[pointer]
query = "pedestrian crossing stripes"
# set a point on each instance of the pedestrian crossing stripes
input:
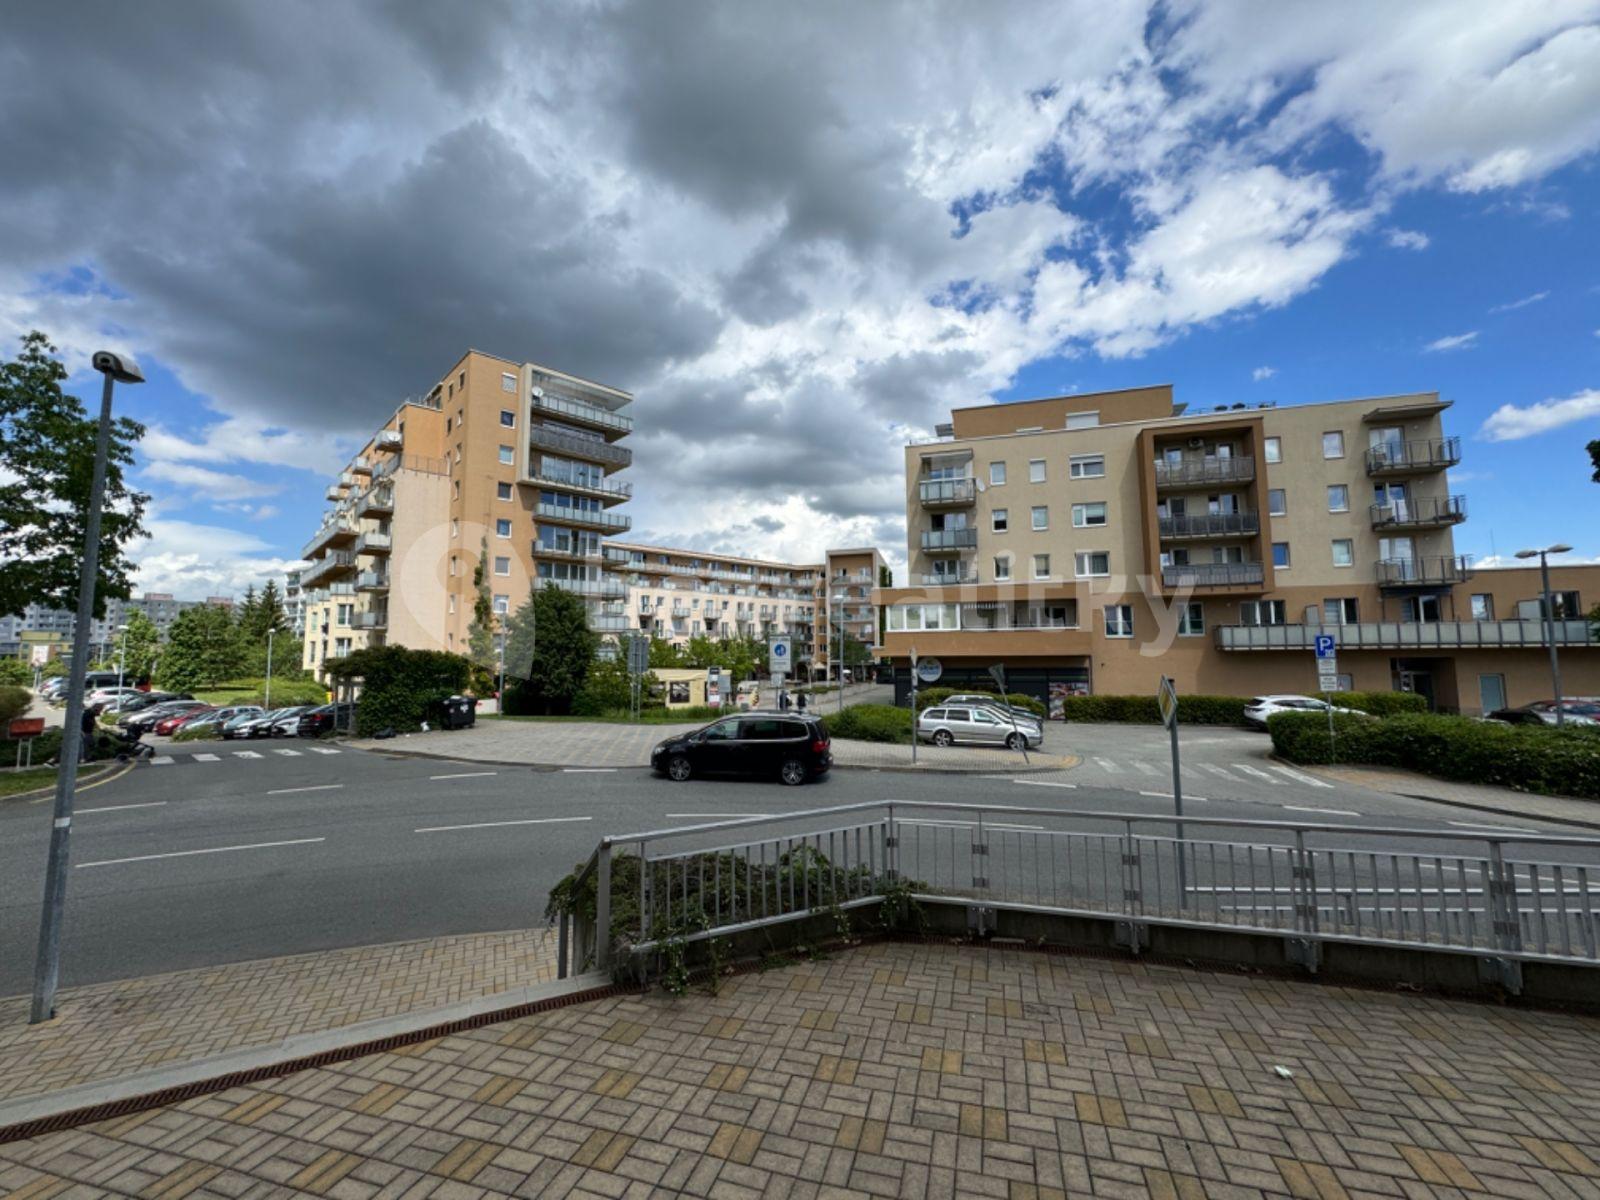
(206, 756)
(1267, 773)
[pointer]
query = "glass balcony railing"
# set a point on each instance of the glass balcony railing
(1210, 525)
(578, 410)
(1238, 574)
(1188, 471)
(946, 541)
(1407, 635)
(1420, 512)
(591, 517)
(940, 492)
(592, 449)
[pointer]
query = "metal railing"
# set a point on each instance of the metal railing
(1210, 525)
(949, 539)
(333, 563)
(331, 532)
(1429, 454)
(947, 491)
(948, 579)
(1212, 575)
(585, 516)
(374, 542)
(388, 439)
(371, 620)
(591, 448)
(1239, 469)
(610, 585)
(372, 581)
(1419, 512)
(580, 410)
(1403, 635)
(619, 488)
(378, 498)
(1432, 571)
(1507, 897)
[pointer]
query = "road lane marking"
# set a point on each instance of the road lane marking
(1168, 796)
(1215, 770)
(323, 750)
(112, 862)
(1481, 825)
(1145, 768)
(1258, 773)
(290, 753)
(588, 770)
(1337, 812)
(161, 760)
(206, 758)
(719, 814)
(121, 807)
(1043, 783)
(1298, 777)
(316, 787)
(465, 775)
(497, 824)
(246, 754)
(1107, 765)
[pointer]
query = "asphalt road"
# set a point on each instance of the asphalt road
(219, 857)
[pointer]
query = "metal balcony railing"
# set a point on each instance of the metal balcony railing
(374, 543)
(1413, 458)
(937, 492)
(360, 466)
(948, 578)
(579, 410)
(373, 500)
(579, 447)
(1407, 635)
(611, 489)
(593, 517)
(607, 586)
(372, 581)
(333, 563)
(330, 533)
(372, 620)
(1213, 575)
(542, 550)
(1419, 512)
(608, 623)
(389, 439)
(1210, 525)
(949, 540)
(1191, 471)
(1430, 572)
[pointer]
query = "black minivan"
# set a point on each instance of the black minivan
(793, 747)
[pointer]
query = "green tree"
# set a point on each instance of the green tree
(856, 652)
(400, 687)
(885, 576)
(245, 613)
(885, 580)
(1594, 458)
(269, 611)
(203, 649)
(607, 689)
(665, 653)
(552, 647)
(15, 673)
(480, 634)
(140, 648)
(47, 441)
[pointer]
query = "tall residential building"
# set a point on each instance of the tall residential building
(851, 577)
(294, 603)
(1099, 542)
(511, 463)
(160, 607)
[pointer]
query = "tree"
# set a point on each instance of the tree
(885, 576)
(552, 666)
(47, 441)
(203, 648)
(665, 653)
(400, 687)
(1594, 458)
(856, 652)
(140, 647)
(608, 689)
(15, 673)
(245, 616)
(269, 611)
(885, 580)
(480, 634)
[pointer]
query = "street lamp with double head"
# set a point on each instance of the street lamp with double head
(1549, 617)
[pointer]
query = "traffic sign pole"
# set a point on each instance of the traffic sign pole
(1167, 699)
(1326, 648)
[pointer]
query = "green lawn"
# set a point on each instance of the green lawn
(14, 783)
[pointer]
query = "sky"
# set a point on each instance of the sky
(800, 234)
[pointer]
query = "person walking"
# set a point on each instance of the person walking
(88, 726)
(802, 702)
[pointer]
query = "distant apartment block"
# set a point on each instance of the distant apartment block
(161, 608)
(1099, 542)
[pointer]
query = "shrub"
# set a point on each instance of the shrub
(15, 673)
(400, 687)
(607, 689)
(1527, 758)
(870, 723)
(1192, 710)
(285, 692)
(45, 747)
(1380, 704)
(14, 702)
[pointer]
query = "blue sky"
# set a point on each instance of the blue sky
(801, 236)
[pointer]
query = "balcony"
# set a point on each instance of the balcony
(947, 493)
(581, 413)
(347, 479)
(587, 518)
(572, 553)
(372, 581)
(616, 554)
(1210, 525)
(374, 501)
(1425, 574)
(1413, 458)
(608, 623)
(948, 578)
(1421, 512)
(360, 466)
(334, 492)
(371, 620)
(680, 612)
(608, 585)
(1208, 575)
(608, 491)
(331, 565)
(1407, 635)
(332, 534)
(949, 541)
(374, 542)
(1203, 472)
(591, 449)
(388, 439)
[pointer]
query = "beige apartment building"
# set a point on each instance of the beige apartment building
(1096, 543)
(512, 463)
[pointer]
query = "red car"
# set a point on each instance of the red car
(168, 726)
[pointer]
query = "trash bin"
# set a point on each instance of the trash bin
(460, 712)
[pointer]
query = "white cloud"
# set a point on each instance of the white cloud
(243, 439)
(1263, 373)
(1455, 341)
(1492, 561)
(1407, 239)
(1513, 305)
(192, 560)
(218, 485)
(1508, 423)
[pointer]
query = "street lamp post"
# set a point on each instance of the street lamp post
(47, 966)
(266, 691)
(122, 656)
(1550, 617)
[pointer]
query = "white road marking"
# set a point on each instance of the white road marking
(1168, 796)
(497, 824)
(1337, 812)
(290, 753)
(1490, 828)
(316, 787)
(1146, 768)
(465, 775)
(588, 770)
(324, 750)
(1215, 770)
(719, 814)
(1258, 773)
(1043, 783)
(121, 807)
(112, 862)
(246, 754)
(205, 758)
(1107, 765)
(161, 760)
(1298, 777)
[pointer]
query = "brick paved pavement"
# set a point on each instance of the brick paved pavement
(109, 1030)
(909, 1071)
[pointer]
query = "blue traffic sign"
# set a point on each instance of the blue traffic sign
(1327, 645)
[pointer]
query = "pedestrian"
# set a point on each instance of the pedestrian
(783, 701)
(88, 726)
(802, 702)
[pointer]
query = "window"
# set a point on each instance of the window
(344, 614)
(1280, 554)
(1036, 470)
(1338, 497)
(998, 520)
(1041, 566)
(1273, 450)
(1263, 612)
(508, 382)
(1002, 567)
(455, 490)
(449, 424)
(508, 418)
(1085, 516)
(455, 527)
(462, 379)
(453, 565)
(1119, 620)
(502, 527)
(502, 566)
(452, 599)
(1090, 563)
(1083, 420)
(502, 491)
(1333, 444)
(1192, 620)
(1482, 606)
(506, 455)
(997, 474)
(1342, 610)
(1343, 553)
(502, 603)
(1564, 606)
(458, 452)
(1088, 466)
(1041, 517)
(1277, 502)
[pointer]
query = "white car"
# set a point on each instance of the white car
(946, 724)
(1009, 713)
(106, 695)
(1260, 708)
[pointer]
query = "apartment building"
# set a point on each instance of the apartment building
(294, 603)
(853, 576)
(1095, 543)
(509, 463)
(58, 623)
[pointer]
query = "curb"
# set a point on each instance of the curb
(103, 775)
(32, 1116)
(1493, 809)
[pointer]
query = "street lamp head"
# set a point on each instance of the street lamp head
(120, 367)
(1527, 554)
(1560, 548)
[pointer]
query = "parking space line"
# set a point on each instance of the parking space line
(1168, 796)
(1145, 768)
(1107, 765)
(1215, 770)
(121, 807)
(323, 750)
(112, 862)
(498, 824)
(1258, 773)
(316, 787)
(729, 815)
(1298, 777)
(160, 760)
(1479, 825)
(588, 770)
(465, 775)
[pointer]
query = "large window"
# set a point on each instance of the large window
(1085, 516)
(1344, 554)
(1192, 620)
(1119, 620)
(1088, 466)
(1338, 497)
(1482, 606)
(1341, 610)
(1092, 563)
(1277, 502)
(1273, 450)
(1280, 555)
(1041, 517)
(1002, 567)
(910, 618)
(1263, 612)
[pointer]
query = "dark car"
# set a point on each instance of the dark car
(145, 702)
(792, 747)
(146, 721)
(326, 719)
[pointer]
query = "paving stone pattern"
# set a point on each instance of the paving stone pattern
(898, 1070)
(109, 1030)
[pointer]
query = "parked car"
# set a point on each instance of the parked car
(217, 719)
(100, 697)
(260, 724)
(144, 702)
(285, 723)
(169, 725)
(1008, 712)
(788, 746)
(1581, 713)
(146, 720)
(1260, 708)
(948, 724)
(50, 687)
(326, 718)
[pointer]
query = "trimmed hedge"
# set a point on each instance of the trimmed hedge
(870, 723)
(285, 692)
(1222, 710)
(927, 697)
(1380, 704)
(1549, 761)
